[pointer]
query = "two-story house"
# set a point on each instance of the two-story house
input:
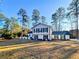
(41, 32)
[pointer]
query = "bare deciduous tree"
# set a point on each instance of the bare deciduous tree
(74, 10)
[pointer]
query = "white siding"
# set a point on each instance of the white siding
(67, 37)
(59, 36)
(52, 36)
(40, 34)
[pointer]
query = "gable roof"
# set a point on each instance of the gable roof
(41, 24)
(61, 33)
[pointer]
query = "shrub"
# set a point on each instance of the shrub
(18, 34)
(7, 36)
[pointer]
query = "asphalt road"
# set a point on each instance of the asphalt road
(14, 41)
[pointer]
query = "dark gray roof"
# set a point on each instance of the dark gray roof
(41, 24)
(61, 33)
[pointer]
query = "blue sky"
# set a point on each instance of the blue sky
(46, 7)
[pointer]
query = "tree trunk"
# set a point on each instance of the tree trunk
(76, 5)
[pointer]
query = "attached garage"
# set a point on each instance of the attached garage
(65, 35)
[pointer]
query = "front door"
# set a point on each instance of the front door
(45, 37)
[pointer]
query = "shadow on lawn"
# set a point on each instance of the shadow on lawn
(56, 52)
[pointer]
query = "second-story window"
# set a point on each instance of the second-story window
(40, 30)
(45, 29)
(37, 30)
(34, 31)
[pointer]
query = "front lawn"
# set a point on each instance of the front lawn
(41, 50)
